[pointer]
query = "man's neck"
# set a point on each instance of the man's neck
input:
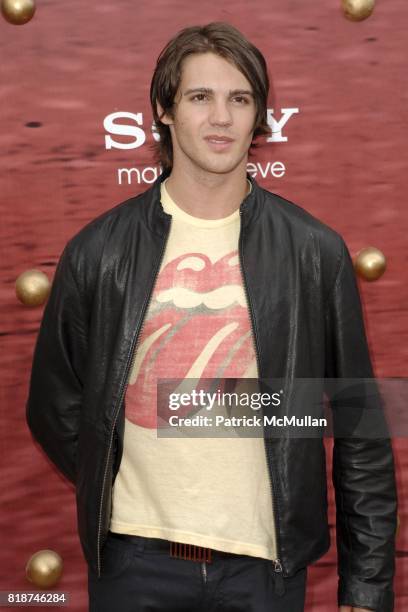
(207, 196)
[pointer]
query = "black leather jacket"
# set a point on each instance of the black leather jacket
(307, 323)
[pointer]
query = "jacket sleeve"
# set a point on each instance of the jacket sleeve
(56, 387)
(363, 468)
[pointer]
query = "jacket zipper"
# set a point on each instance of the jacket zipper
(278, 567)
(128, 370)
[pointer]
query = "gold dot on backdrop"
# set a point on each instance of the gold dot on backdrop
(370, 263)
(44, 568)
(18, 12)
(32, 287)
(357, 10)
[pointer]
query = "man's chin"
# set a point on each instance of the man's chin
(221, 166)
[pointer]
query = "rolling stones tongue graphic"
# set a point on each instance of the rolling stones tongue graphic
(197, 326)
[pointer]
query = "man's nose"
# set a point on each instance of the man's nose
(220, 113)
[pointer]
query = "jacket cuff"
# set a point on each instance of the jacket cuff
(352, 592)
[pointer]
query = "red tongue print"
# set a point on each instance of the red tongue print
(197, 326)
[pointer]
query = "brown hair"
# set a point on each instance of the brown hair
(224, 40)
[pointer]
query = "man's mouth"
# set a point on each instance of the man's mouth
(219, 139)
(219, 143)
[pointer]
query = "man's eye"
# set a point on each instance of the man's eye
(243, 100)
(198, 95)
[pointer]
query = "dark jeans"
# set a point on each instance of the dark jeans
(139, 579)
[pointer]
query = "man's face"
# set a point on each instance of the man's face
(223, 110)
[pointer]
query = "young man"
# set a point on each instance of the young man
(206, 274)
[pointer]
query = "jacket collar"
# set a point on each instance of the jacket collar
(158, 220)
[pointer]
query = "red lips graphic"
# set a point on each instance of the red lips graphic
(197, 326)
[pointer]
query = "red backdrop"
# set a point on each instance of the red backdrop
(344, 153)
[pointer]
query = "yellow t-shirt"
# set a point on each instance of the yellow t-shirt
(214, 491)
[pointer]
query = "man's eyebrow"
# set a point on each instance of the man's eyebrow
(207, 90)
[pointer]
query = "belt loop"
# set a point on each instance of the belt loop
(140, 544)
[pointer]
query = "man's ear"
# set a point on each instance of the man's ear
(165, 119)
